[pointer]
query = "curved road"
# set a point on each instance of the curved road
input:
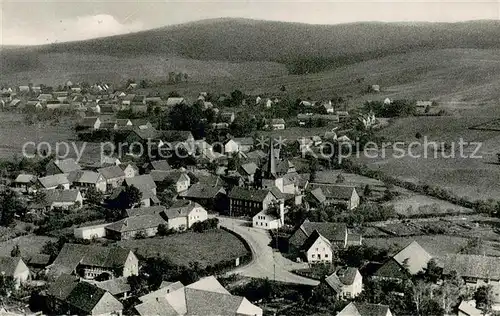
(265, 262)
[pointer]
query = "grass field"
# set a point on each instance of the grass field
(29, 245)
(416, 204)
(206, 248)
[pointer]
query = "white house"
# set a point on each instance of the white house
(184, 213)
(317, 248)
(278, 124)
(347, 282)
(90, 232)
(231, 147)
(63, 199)
(270, 218)
(16, 268)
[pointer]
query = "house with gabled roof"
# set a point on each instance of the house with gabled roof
(247, 171)
(63, 199)
(62, 166)
(130, 227)
(245, 144)
(118, 287)
(114, 176)
(336, 233)
(151, 210)
(243, 201)
(53, 181)
(211, 196)
(173, 101)
(122, 124)
(16, 268)
(161, 165)
(24, 182)
(317, 248)
(69, 296)
(146, 186)
(92, 122)
(85, 179)
(365, 309)
(333, 194)
(91, 261)
(183, 214)
(409, 261)
(204, 297)
(346, 282)
(178, 177)
(270, 218)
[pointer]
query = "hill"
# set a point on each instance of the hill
(225, 43)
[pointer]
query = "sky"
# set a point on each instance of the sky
(47, 21)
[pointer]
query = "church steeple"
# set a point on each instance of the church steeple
(271, 162)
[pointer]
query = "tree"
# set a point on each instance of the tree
(367, 191)
(432, 273)
(94, 196)
(131, 196)
(237, 97)
(7, 285)
(340, 178)
(15, 252)
(9, 206)
(484, 298)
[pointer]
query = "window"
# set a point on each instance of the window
(313, 255)
(266, 224)
(317, 249)
(326, 255)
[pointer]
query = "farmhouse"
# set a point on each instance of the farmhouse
(183, 214)
(317, 248)
(16, 268)
(204, 297)
(335, 233)
(25, 182)
(130, 227)
(90, 232)
(67, 295)
(62, 166)
(113, 175)
(231, 147)
(84, 179)
(247, 171)
(210, 196)
(90, 261)
(250, 202)
(118, 287)
(179, 178)
(413, 256)
(347, 283)
(365, 309)
(332, 194)
(54, 181)
(146, 186)
(63, 199)
(270, 218)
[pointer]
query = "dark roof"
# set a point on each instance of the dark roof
(161, 165)
(62, 287)
(67, 165)
(67, 196)
(39, 259)
(332, 191)
(202, 191)
(175, 135)
(135, 223)
(334, 232)
(144, 183)
(73, 254)
(53, 180)
(111, 172)
(145, 210)
(85, 297)
(393, 270)
(248, 194)
(315, 235)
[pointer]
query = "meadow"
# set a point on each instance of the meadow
(206, 248)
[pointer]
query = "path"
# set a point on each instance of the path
(265, 262)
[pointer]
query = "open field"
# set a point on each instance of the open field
(207, 248)
(29, 245)
(409, 204)
(436, 245)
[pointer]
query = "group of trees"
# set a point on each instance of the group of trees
(10, 205)
(395, 108)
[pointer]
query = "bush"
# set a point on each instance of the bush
(205, 225)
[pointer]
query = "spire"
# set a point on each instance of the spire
(271, 161)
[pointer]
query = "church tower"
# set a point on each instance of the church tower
(270, 177)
